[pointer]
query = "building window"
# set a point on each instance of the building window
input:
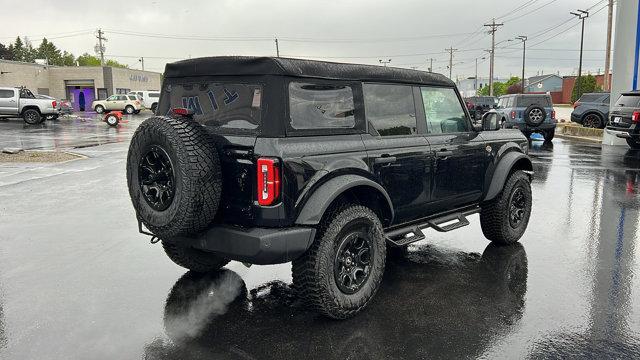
(122, 91)
(102, 94)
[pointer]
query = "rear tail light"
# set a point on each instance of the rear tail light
(53, 104)
(576, 104)
(268, 184)
(182, 111)
(636, 117)
(513, 114)
(553, 114)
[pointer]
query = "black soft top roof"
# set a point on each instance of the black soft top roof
(249, 65)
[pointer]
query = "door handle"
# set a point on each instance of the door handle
(384, 159)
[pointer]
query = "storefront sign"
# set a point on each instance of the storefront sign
(138, 78)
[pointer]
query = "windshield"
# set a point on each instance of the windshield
(232, 106)
(628, 100)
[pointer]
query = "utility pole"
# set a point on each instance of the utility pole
(142, 61)
(607, 57)
(430, 64)
(384, 62)
(581, 14)
(277, 48)
(451, 50)
(524, 50)
(492, 31)
(100, 47)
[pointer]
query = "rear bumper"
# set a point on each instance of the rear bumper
(522, 126)
(255, 245)
(627, 133)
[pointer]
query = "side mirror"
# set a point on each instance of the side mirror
(491, 121)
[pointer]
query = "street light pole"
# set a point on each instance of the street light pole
(524, 49)
(581, 14)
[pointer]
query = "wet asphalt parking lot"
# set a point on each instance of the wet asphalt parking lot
(77, 281)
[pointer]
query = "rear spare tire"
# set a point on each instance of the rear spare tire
(173, 174)
(534, 115)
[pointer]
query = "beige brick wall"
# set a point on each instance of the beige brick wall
(57, 76)
(32, 76)
(135, 79)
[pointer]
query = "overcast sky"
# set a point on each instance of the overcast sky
(407, 32)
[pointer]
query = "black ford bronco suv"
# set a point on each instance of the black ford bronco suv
(271, 160)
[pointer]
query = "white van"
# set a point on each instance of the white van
(149, 98)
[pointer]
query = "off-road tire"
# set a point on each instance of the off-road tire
(193, 259)
(99, 109)
(633, 143)
(154, 107)
(549, 134)
(534, 122)
(136, 112)
(196, 168)
(313, 272)
(494, 214)
(32, 116)
(129, 109)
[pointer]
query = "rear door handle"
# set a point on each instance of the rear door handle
(384, 160)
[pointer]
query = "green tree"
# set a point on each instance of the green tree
(47, 50)
(6, 52)
(30, 54)
(587, 84)
(499, 88)
(88, 60)
(18, 50)
(67, 59)
(114, 63)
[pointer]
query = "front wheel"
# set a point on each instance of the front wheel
(193, 259)
(633, 143)
(342, 270)
(112, 120)
(505, 218)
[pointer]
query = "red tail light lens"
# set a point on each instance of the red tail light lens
(182, 111)
(553, 114)
(268, 181)
(513, 114)
(53, 104)
(576, 104)
(636, 117)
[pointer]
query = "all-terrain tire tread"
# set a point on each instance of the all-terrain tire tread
(192, 259)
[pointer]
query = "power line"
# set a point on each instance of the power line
(529, 12)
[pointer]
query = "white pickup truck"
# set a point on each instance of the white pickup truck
(20, 102)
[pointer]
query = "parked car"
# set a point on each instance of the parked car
(624, 118)
(318, 163)
(591, 110)
(530, 113)
(130, 104)
(478, 105)
(149, 98)
(21, 102)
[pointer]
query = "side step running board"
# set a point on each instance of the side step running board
(412, 233)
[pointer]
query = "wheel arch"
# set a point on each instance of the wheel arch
(30, 107)
(346, 188)
(510, 162)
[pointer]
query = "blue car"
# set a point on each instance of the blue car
(530, 113)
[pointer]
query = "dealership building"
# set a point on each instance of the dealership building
(78, 84)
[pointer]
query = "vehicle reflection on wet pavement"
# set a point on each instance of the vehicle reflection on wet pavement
(78, 282)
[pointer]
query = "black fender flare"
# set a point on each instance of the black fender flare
(315, 207)
(503, 169)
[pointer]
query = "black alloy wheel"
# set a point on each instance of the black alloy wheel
(352, 264)
(156, 178)
(517, 207)
(592, 121)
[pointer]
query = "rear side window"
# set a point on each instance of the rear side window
(443, 111)
(526, 101)
(390, 109)
(589, 97)
(6, 94)
(132, 97)
(628, 100)
(321, 106)
(154, 95)
(218, 105)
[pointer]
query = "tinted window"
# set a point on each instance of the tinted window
(589, 97)
(443, 111)
(6, 94)
(123, 98)
(132, 97)
(628, 100)
(155, 95)
(112, 98)
(605, 100)
(227, 106)
(526, 101)
(390, 109)
(26, 94)
(319, 106)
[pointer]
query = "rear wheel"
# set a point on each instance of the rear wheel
(193, 259)
(592, 121)
(633, 143)
(505, 218)
(32, 116)
(549, 134)
(342, 270)
(99, 109)
(129, 109)
(154, 106)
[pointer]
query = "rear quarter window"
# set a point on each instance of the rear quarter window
(628, 100)
(321, 106)
(590, 97)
